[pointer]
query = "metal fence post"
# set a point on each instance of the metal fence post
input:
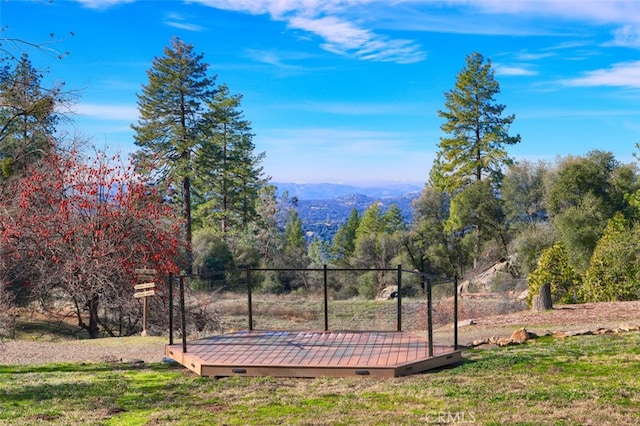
(429, 316)
(455, 312)
(399, 325)
(326, 299)
(183, 316)
(171, 309)
(249, 301)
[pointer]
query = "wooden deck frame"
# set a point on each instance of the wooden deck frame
(313, 354)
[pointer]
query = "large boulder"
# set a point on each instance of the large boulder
(388, 293)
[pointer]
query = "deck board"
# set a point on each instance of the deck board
(312, 354)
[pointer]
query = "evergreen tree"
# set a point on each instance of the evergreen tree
(377, 246)
(170, 128)
(319, 252)
(555, 269)
(27, 118)
(475, 149)
(393, 219)
(478, 133)
(344, 240)
(371, 223)
(293, 234)
(477, 207)
(293, 255)
(427, 244)
(229, 173)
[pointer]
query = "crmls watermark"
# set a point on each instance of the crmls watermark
(447, 417)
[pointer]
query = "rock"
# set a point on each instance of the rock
(463, 287)
(466, 323)
(578, 333)
(605, 331)
(388, 293)
(523, 296)
(479, 342)
(520, 335)
(506, 341)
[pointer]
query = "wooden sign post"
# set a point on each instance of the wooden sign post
(145, 290)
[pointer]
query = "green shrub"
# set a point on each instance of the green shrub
(554, 268)
(614, 271)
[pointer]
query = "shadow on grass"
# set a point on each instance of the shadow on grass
(83, 383)
(86, 368)
(52, 329)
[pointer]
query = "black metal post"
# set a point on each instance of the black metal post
(183, 316)
(399, 326)
(429, 316)
(249, 301)
(455, 313)
(326, 299)
(171, 309)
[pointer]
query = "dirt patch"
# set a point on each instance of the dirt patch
(561, 318)
(121, 349)
(596, 314)
(151, 349)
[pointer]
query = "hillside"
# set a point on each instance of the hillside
(328, 191)
(323, 208)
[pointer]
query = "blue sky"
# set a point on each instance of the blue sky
(347, 91)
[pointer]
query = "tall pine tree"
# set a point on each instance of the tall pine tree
(475, 147)
(229, 172)
(474, 150)
(170, 125)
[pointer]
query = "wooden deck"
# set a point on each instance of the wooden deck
(312, 354)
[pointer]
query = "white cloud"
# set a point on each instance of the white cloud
(102, 4)
(624, 74)
(627, 36)
(599, 11)
(513, 70)
(345, 38)
(178, 21)
(348, 27)
(281, 9)
(335, 23)
(127, 113)
(270, 57)
(526, 56)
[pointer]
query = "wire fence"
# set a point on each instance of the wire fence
(221, 302)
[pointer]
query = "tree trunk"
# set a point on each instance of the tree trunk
(542, 301)
(93, 329)
(186, 188)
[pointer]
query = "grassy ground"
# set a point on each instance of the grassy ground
(578, 380)
(306, 312)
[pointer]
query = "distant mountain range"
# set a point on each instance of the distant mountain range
(327, 191)
(324, 207)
